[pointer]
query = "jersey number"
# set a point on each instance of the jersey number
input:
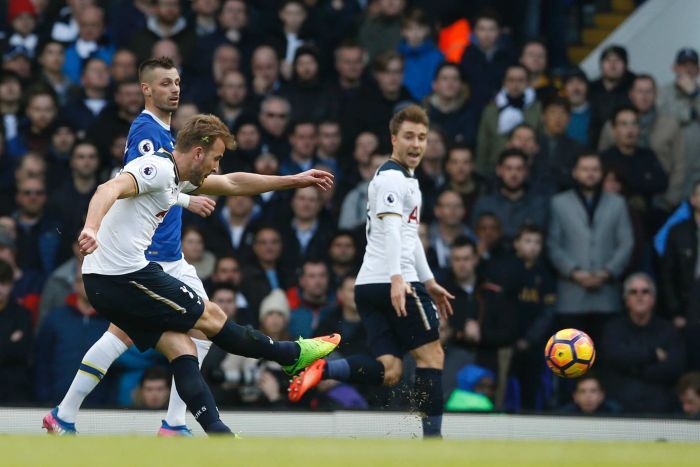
(414, 215)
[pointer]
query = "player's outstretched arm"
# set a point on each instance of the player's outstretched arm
(123, 186)
(248, 184)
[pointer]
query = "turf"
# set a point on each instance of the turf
(141, 451)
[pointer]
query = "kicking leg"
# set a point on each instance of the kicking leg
(430, 360)
(180, 351)
(93, 368)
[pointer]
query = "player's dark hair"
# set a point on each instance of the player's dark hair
(689, 380)
(619, 110)
(150, 64)
(156, 373)
(512, 152)
(413, 113)
(462, 241)
(203, 130)
(529, 229)
(7, 275)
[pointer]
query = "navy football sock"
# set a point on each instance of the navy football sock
(355, 369)
(247, 342)
(196, 394)
(428, 394)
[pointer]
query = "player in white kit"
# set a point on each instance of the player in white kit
(395, 292)
(156, 309)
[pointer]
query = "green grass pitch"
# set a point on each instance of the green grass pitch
(95, 451)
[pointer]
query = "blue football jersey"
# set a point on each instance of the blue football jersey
(148, 134)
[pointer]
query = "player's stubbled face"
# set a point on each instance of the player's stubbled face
(209, 163)
(410, 143)
(165, 88)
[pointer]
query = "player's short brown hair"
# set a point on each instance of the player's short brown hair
(413, 113)
(150, 64)
(203, 130)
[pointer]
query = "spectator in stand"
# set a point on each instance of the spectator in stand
(524, 138)
(82, 111)
(359, 168)
(535, 288)
(350, 62)
(377, 103)
(490, 246)
(308, 95)
(515, 103)
(657, 131)
(65, 29)
(60, 283)
(265, 273)
(448, 225)
(449, 106)
(353, 213)
(265, 68)
(232, 102)
(26, 288)
(307, 234)
(10, 106)
(41, 110)
(589, 242)
(91, 43)
(380, 29)
(576, 92)
(681, 99)
(116, 119)
(70, 201)
(303, 140)
(16, 342)
(124, 20)
(38, 230)
(533, 57)
(17, 60)
(688, 390)
(62, 340)
(312, 295)
(330, 140)
(421, 56)
(124, 66)
(462, 178)
(679, 269)
(611, 90)
(638, 168)
(344, 319)
(22, 19)
(230, 230)
(165, 22)
(292, 35)
(51, 57)
(557, 151)
(154, 389)
(512, 202)
(485, 60)
(184, 112)
(195, 253)
(201, 86)
(235, 29)
(342, 256)
(431, 172)
(205, 16)
(274, 118)
(644, 354)
(589, 398)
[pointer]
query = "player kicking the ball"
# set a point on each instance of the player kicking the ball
(394, 286)
(154, 308)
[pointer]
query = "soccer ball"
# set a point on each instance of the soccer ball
(569, 353)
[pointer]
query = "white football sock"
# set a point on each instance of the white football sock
(177, 409)
(92, 369)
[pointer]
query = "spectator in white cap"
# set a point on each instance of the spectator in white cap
(274, 315)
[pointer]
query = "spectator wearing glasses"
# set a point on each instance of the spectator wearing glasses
(643, 353)
(274, 118)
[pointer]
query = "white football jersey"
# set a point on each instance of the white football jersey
(127, 229)
(393, 190)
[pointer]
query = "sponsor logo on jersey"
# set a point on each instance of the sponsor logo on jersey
(148, 171)
(390, 199)
(146, 146)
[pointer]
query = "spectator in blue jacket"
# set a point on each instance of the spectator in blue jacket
(421, 57)
(63, 338)
(91, 42)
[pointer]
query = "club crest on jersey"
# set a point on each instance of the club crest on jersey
(146, 146)
(148, 171)
(390, 199)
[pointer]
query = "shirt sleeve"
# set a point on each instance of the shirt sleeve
(389, 194)
(151, 173)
